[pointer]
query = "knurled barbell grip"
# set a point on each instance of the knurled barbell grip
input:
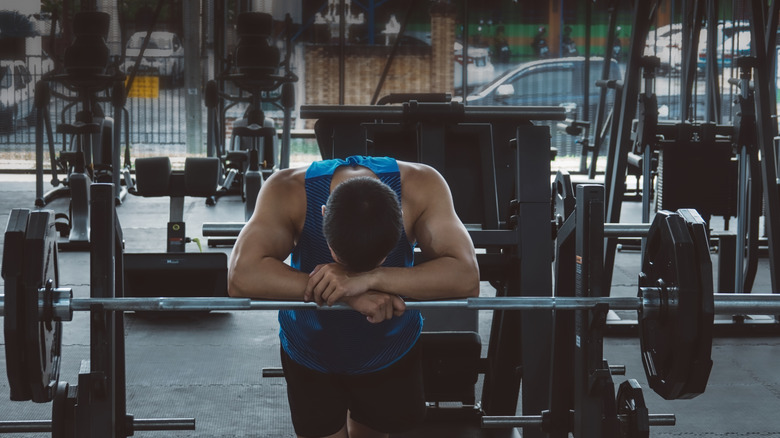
(497, 422)
(44, 426)
(196, 304)
(767, 304)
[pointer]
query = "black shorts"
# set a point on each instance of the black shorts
(390, 400)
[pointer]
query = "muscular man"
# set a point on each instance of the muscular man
(350, 227)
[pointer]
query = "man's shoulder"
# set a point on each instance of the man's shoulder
(414, 168)
(416, 171)
(287, 179)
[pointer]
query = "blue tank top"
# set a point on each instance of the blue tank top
(344, 342)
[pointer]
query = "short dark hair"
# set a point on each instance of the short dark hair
(362, 222)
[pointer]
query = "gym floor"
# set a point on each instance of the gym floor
(209, 367)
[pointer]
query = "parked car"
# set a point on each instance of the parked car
(16, 93)
(557, 82)
(164, 55)
(550, 82)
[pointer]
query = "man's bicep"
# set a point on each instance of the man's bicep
(270, 231)
(439, 231)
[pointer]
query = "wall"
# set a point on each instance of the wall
(415, 69)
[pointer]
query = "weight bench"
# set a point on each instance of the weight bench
(176, 272)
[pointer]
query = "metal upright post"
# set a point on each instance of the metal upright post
(99, 409)
(192, 73)
(765, 135)
(535, 275)
(562, 359)
(520, 344)
(590, 375)
(644, 12)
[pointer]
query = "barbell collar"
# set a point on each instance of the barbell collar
(59, 305)
(497, 422)
(44, 426)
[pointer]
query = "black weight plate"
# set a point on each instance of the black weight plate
(43, 338)
(563, 199)
(62, 413)
(632, 411)
(668, 337)
(13, 321)
(609, 421)
(702, 362)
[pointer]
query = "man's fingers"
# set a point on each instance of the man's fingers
(333, 295)
(314, 278)
(315, 270)
(327, 296)
(399, 306)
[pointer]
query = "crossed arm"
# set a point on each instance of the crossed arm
(257, 268)
(451, 270)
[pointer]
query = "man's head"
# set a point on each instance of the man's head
(362, 222)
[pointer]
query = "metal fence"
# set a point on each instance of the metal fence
(158, 126)
(157, 123)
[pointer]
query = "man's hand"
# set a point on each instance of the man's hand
(377, 306)
(332, 282)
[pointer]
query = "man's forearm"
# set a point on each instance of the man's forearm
(269, 279)
(444, 277)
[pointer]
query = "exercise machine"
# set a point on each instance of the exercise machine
(90, 143)
(176, 271)
(253, 152)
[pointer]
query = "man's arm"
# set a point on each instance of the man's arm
(257, 268)
(450, 272)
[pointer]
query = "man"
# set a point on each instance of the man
(353, 373)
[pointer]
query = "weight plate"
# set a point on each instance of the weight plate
(668, 336)
(702, 361)
(563, 199)
(13, 321)
(62, 412)
(42, 335)
(631, 410)
(609, 420)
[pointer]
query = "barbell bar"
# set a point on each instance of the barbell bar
(231, 229)
(139, 424)
(500, 422)
(59, 304)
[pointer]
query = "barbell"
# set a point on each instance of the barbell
(58, 304)
(675, 302)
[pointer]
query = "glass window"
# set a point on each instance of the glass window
(544, 82)
(5, 77)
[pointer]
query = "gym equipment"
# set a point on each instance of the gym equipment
(91, 143)
(95, 407)
(670, 290)
(252, 155)
(176, 271)
(631, 415)
(709, 143)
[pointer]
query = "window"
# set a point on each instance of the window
(545, 82)
(5, 78)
